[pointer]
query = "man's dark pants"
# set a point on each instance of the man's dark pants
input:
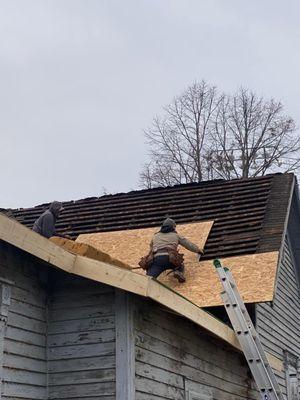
(161, 264)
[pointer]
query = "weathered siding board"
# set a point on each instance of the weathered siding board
(125, 357)
(82, 364)
(82, 390)
(81, 325)
(278, 324)
(173, 355)
(81, 339)
(24, 358)
(25, 336)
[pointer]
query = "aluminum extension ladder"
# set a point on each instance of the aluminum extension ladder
(248, 337)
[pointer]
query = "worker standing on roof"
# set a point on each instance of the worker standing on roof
(164, 246)
(45, 224)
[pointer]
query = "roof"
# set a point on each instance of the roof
(249, 219)
(255, 274)
(249, 214)
(106, 272)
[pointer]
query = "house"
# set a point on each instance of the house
(75, 327)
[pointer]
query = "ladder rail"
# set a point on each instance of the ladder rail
(250, 323)
(247, 336)
(257, 364)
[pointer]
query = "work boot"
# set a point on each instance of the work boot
(180, 276)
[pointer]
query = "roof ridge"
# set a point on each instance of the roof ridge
(207, 183)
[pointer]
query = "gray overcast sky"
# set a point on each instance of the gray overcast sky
(81, 79)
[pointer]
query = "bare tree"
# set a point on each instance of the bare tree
(252, 137)
(204, 135)
(178, 141)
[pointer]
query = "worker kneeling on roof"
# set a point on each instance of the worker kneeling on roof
(45, 224)
(164, 251)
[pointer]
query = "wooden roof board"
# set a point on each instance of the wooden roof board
(87, 251)
(255, 274)
(130, 245)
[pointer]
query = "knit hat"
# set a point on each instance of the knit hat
(56, 207)
(169, 222)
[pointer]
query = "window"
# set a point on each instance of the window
(291, 373)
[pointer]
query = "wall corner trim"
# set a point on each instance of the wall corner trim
(125, 351)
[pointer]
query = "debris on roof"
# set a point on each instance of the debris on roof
(86, 250)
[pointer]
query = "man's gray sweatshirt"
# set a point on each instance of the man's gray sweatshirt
(45, 224)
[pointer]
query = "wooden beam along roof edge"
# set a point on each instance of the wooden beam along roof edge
(23, 238)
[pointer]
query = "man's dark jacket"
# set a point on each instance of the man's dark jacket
(45, 224)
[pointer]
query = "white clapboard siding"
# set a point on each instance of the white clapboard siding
(278, 323)
(81, 340)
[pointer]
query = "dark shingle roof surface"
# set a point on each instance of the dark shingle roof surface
(249, 214)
